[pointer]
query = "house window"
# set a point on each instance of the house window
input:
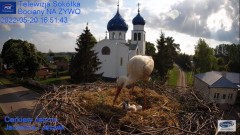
(105, 50)
(113, 35)
(121, 61)
(230, 96)
(139, 36)
(120, 35)
(224, 96)
(135, 36)
(216, 95)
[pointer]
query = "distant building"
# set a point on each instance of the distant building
(115, 51)
(218, 87)
(61, 63)
(43, 72)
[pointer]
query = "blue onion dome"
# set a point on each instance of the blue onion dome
(117, 23)
(138, 20)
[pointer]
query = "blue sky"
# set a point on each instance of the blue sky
(217, 21)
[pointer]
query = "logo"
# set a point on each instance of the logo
(227, 125)
(7, 7)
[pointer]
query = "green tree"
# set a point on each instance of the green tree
(204, 60)
(150, 49)
(184, 61)
(228, 56)
(167, 52)
(233, 55)
(22, 56)
(50, 53)
(6, 46)
(85, 62)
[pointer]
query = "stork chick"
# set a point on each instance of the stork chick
(127, 106)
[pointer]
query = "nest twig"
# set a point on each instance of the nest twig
(64, 103)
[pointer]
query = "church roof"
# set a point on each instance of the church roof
(117, 23)
(133, 46)
(138, 20)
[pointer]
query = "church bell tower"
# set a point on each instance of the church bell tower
(138, 33)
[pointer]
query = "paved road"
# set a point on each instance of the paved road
(18, 102)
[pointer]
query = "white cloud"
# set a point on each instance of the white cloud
(108, 2)
(47, 40)
(69, 35)
(219, 20)
(5, 27)
(9, 27)
(173, 14)
(85, 11)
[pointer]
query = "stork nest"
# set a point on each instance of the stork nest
(87, 109)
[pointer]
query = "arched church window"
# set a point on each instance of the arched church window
(105, 50)
(139, 36)
(113, 35)
(135, 37)
(120, 35)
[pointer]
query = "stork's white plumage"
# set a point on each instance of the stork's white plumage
(138, 68)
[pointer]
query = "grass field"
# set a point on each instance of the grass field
(4, 81)
(189, 78)
(59, 80)
(173, 76)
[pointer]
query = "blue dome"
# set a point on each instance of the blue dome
(117, 23)
(138, 20)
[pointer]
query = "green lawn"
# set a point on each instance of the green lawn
(4, 81)
(55, 80)
(189, 78)
(173, 76)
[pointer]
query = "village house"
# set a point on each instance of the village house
(218, 87)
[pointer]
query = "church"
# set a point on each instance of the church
(115, 51)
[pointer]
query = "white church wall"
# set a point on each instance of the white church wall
(108, 66)
(117, 35)
(122, 59)
(138, 27)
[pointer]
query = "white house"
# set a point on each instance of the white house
(218, 87)
(114, 51)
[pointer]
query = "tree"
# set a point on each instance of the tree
(184, 61)
(233, 56)
(167, 52)
(85, 62)
(50, 53)
(204, 60)
(150, 49)
(22, 56)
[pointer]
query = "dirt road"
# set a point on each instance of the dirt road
(18, 102)
(181, 79)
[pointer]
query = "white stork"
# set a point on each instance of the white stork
(138, 68)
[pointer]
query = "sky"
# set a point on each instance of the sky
(216, 21)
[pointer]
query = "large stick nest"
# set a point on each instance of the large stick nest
(87, 109)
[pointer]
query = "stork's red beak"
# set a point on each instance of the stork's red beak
(119, 88)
